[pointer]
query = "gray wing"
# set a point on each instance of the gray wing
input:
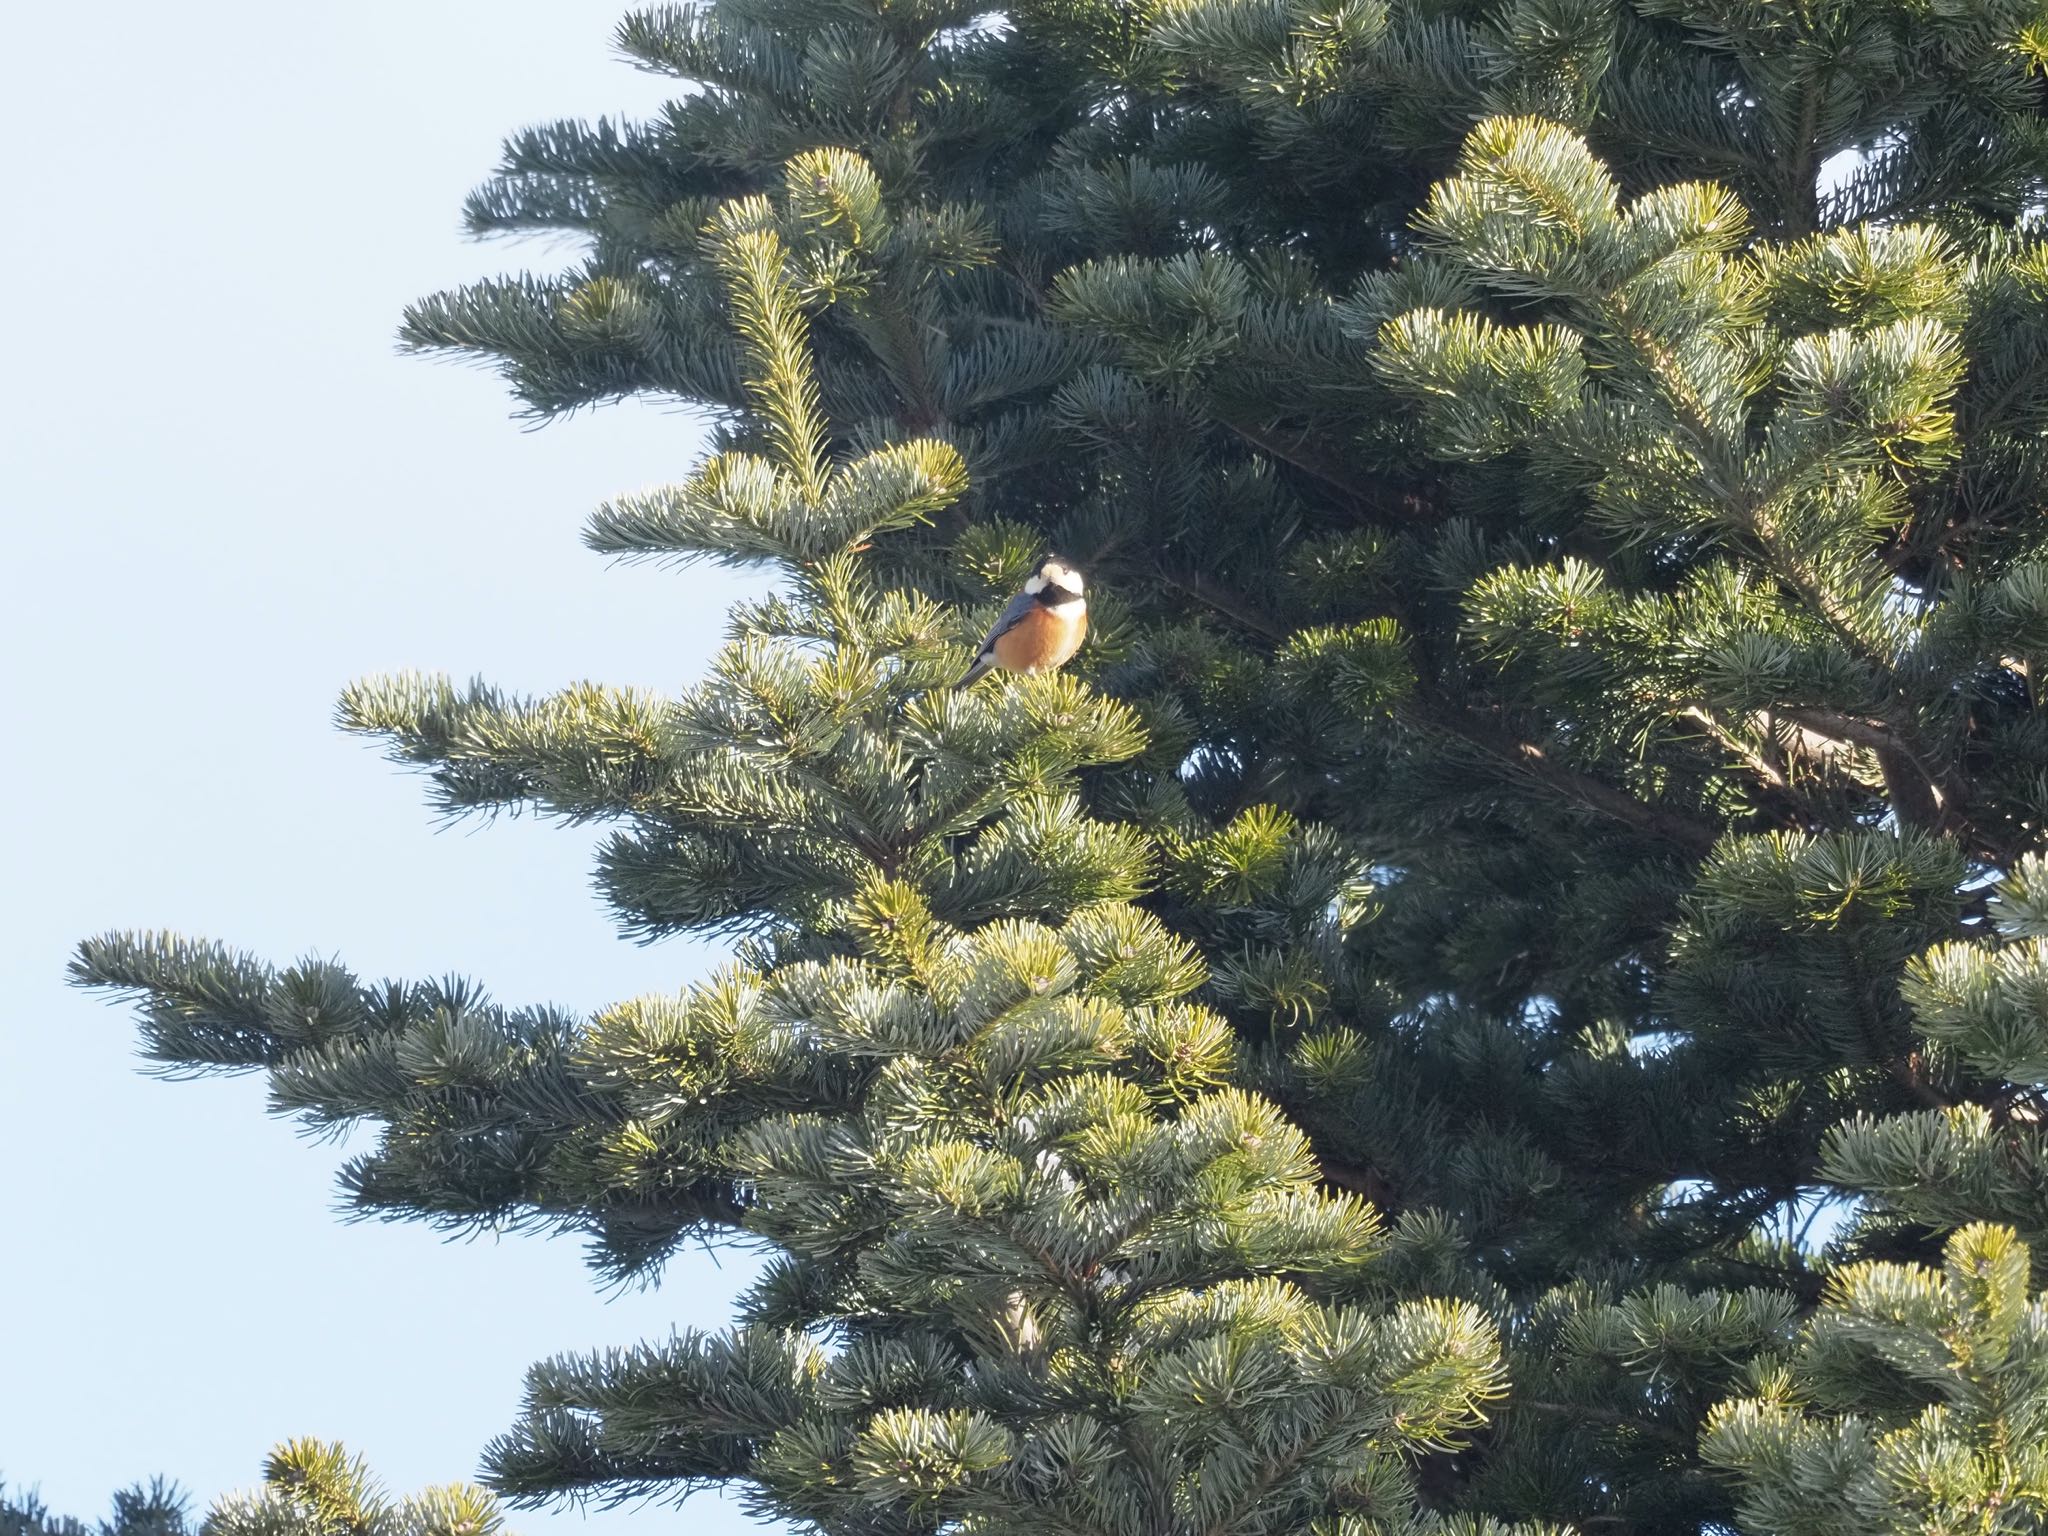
(1018, 606)
(984, 655)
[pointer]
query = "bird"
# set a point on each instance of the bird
(1040, 629)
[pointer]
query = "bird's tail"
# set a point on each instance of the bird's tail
(980, 669)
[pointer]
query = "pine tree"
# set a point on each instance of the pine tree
(1551, 805)
(309, 1488)
(156, 1508)
(1914, 1400)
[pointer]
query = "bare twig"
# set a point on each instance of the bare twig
(1754, 760)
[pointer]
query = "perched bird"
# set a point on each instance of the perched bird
(1040, 629)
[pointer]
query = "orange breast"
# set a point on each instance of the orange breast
(1041, 640)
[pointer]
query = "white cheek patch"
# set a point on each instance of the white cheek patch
(1035, 585)
(1065, 577)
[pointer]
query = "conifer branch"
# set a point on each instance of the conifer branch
(1802, 173)
(1232, 606)
(1042, 1261)
(1914, 789)
(1909, 1072)
(781, 381)
(1614, 803)
(1587, 1413)
(1527, 760)
(1360, 1179)
(1320, 464)
(1770, 773)
(903, 354)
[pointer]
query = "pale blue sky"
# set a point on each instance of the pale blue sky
(225, 495)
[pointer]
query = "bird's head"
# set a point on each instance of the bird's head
(1054, 580)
